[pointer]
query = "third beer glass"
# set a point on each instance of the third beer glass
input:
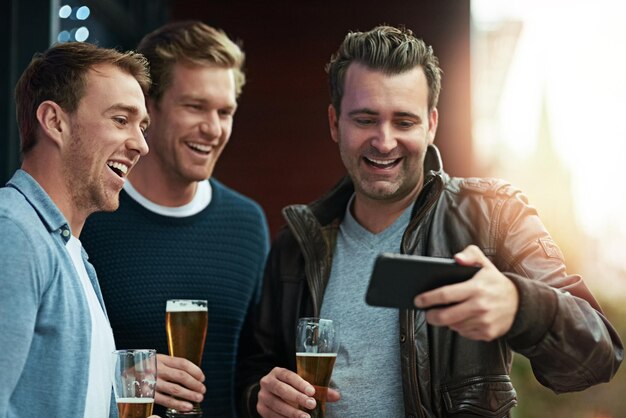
(186, 324)
(317, 341)
(134, 380)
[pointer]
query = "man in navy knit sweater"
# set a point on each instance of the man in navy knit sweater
(180, 234)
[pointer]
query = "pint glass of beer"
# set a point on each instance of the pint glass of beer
(134, 380)
(186, 325)
(317, 342)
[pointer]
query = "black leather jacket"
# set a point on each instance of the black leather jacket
(559, 326)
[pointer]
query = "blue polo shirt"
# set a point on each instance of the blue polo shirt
(45, 325)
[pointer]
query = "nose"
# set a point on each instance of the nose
(211, 126)
(138, 142)
(384, 139)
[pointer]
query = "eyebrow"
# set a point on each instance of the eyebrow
(368, 111)
(133, 110)
(364, 110)
(204, 101)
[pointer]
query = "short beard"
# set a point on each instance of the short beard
(84, 190)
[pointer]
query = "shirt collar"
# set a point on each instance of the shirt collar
(48, 212)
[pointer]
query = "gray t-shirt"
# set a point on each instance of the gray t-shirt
(367, 371)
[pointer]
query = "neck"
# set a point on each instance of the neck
(44, 171)
(158, 187)
(378, 215)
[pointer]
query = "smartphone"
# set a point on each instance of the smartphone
(397, 278)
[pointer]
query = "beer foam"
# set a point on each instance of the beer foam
(134, 400)
(184, 306)
(302, 354)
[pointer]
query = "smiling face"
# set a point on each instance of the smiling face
(383, 132)
(191, 124)
(106, 138)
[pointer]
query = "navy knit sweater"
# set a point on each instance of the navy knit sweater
(142, 259)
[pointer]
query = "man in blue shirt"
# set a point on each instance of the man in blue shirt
(81, 115)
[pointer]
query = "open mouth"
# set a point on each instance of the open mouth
(118, 168)
(200, 148)
(382, 163)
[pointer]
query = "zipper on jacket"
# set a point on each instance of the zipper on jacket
(423, 207)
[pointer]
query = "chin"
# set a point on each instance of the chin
(108, 208)
(109, 204)
(379, 191)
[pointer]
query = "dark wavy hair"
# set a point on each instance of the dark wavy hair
(387, 49)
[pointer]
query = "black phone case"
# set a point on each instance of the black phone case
(397, 278)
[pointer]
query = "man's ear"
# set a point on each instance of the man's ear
(151, 105)
(433, 121)
(53, 121)
(333, 122)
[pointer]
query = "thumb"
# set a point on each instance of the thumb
(333, 395)
(472, 256)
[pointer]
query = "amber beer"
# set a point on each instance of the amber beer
(186, 324)
(316, 368)
(135, 407)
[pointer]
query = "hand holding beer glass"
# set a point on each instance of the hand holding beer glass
(134, 380)
(186, 325)
(317, 342)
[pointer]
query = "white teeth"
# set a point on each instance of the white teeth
(119, 166)
(382, 162)
(199, 147)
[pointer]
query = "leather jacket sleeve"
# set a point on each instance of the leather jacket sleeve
(559, 325)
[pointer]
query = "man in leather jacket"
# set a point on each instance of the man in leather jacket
(451, 361)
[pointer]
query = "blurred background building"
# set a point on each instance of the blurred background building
(533, 91)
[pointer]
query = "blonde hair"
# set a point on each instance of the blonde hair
(193, 42)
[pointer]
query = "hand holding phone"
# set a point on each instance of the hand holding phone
(397, 278)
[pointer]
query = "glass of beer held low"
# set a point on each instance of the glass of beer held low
(317, 342)
(186, 325)
(134, 380)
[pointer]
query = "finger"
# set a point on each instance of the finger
(486, 326)
(265, 412)
(270, 405)
(444, 295)
(176, 370)
(171, 402)
(180, 363)
(473, 331)
(292, 379)
(289, 387)
(169, 390)
(472, 256)
(473, 334)
(333, 395)
(442, 317)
